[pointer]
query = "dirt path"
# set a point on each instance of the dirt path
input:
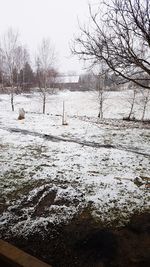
(54, 138)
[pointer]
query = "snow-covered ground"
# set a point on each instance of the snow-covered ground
(50, 172)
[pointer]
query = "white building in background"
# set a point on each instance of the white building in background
(70, 82)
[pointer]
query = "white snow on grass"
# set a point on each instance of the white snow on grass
(50, 181)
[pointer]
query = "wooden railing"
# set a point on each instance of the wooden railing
(10, 256)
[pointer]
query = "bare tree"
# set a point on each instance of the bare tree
(119, 35)
(52, 78)
(130, 99)
(21, 58)
(102, 94)
(2, 68)
(45, 61)
(9, 45)
(144, 101)
(132, 103)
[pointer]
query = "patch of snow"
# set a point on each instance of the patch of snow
(44, 182)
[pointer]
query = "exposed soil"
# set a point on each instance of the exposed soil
(85, 242)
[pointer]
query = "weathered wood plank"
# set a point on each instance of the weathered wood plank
(15, 257)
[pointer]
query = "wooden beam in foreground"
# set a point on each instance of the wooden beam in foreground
(13, 257)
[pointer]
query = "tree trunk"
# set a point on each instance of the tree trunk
(17, 81)
(132, 105)
(12, 101)
(44, 102)
(63, 116)
(143, 114)
(100, 114)
(101, 110)
(2, 81)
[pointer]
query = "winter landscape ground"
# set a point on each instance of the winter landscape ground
(50, 173)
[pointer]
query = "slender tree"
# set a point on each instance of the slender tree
(21, 59)
(2, 69)
(131, 99)
(9, 45)
(102, 93)
(144, 102)
(45, 62)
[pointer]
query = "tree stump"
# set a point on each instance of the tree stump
(21, 114)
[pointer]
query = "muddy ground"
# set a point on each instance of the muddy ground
(84, 242)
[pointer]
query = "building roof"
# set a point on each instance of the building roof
(67, 79)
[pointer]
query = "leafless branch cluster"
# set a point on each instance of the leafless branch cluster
(16, 73)
(46, 73)
(118, 35)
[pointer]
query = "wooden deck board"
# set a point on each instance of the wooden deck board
(14, 257)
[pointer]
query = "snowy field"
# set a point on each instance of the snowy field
(50, 172)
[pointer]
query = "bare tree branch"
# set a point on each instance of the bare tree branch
(118, 35)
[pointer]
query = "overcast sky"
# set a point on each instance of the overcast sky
(38, 19)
